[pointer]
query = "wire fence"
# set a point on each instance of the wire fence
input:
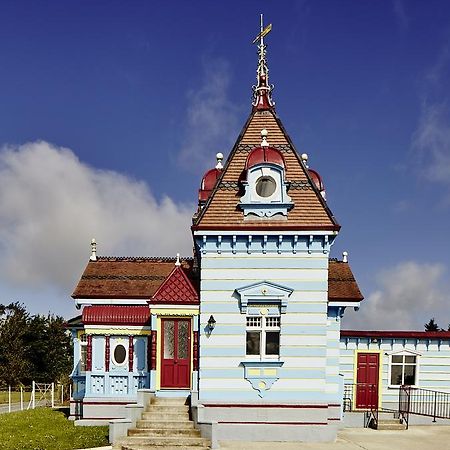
(20, 398)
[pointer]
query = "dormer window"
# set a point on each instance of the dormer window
(265, 187)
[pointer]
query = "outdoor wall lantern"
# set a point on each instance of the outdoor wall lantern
(211, 323)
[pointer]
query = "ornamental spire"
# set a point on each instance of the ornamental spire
(262, 91)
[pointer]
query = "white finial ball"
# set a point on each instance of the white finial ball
(344, 256)
(93, 241)
(264, 133)
(219, 156)
(305, 156)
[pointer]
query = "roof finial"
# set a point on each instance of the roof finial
(264, 134)
(262, 91)
(345, 257)
(178, 262)
(219, 158)
(305, 159)
(93, 250)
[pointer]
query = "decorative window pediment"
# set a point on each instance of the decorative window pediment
(264, 292)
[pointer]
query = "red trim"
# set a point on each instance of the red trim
(334, 418)
(397, 334)
(130, 353)
(107, 403)
(276, 227)
(262, 405)
(195, 353)
(107, 353)
(277, 423)
(89, 353)
(153, 351)
(116, 314)
(334, 405)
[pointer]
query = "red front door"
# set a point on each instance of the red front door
(367, 380)
(176, 353)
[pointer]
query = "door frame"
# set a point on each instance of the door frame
(160, 345)
(380, 373)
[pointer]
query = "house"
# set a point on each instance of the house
(248, 327)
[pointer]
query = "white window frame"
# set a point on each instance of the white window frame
(83, 352)
(113, 359)
(262, 328)
(404, 353)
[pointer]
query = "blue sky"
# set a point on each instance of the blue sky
(111, 111)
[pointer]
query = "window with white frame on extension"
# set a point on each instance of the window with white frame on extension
(83, 353)
(403, 369)
(263, 336)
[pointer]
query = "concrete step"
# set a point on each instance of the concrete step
(391, 425)
(169, 401)
(166, 416)
(163, 407)
(178, 441)
(166, 424)
(157, 432)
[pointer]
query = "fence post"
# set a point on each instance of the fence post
(33, 395)
(62, 393)
(9, 398)
(21, 398)
(53, 395)
(435, 406)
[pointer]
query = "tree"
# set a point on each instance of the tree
(432, 325)
(14, 364)
(35, 347)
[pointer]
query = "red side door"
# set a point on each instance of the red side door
(176, 353)
(367, 380)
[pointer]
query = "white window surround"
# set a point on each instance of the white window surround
(264, 292)
(278, 202)
(113, 355)
(404, 352)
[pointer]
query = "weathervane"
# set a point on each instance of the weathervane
(262, 97)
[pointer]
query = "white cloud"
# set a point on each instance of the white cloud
(51, 205)
(431, 142)
(212, 120)
(408, 295)
(400, 14)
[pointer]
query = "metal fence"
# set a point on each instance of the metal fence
(20, 398)
(423, 402)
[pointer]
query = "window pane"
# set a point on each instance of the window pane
(397, 358)
(272, 343)
(253, 342)
(265, 186)
(410, 375)
(272, 321)
(83, 359)
(410, 359)
(183, 342)
(396, 375)
(120, 354)
(168, 339)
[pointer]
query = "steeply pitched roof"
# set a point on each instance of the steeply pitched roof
(176, 289)
(342, 285)
(140, 278)
(310, 211)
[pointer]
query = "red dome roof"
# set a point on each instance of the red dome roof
(317, 179)
(261, 155)
(208, 183)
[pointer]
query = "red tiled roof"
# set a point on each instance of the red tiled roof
(116, 314)
(342, 285)
(222, 210)
(397, 334)
(140, 278)
(176, 289)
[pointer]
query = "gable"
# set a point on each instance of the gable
(176, 289)
(222, 210)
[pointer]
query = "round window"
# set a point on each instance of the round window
(120, 354)
(265, 186)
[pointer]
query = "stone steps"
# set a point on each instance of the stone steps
(165, 424)
(392, 424)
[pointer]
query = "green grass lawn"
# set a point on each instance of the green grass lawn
(15, 397)
(45, 429)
